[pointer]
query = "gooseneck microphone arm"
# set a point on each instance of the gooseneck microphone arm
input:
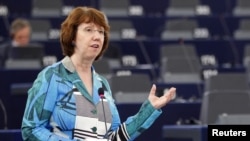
(101, 94)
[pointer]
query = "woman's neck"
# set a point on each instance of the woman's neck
(81, 64)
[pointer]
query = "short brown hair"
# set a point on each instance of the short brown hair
(17, 25)
(75, 18)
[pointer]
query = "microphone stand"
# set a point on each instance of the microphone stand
(101, 94)
(104, 115)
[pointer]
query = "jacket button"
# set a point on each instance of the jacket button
(94, 129)
(94, 111)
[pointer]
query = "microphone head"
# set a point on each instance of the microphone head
(101, 92)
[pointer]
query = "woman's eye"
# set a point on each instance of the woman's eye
(89, 30)
(101, 32)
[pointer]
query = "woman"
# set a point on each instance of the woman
(64, 104)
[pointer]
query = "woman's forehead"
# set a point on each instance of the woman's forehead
(91, 24)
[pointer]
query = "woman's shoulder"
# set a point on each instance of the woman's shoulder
(50, 70)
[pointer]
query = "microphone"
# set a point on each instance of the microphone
(101, 94)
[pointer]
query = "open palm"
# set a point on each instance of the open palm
(159, 102)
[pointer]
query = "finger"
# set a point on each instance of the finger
(171, 93)
(153, 90)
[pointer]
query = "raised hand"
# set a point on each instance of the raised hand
(159, 102)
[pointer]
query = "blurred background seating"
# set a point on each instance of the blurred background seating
(183, 44)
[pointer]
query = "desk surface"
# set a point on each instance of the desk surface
(11, 135)
(194, 132)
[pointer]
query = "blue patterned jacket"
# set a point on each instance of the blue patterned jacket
(60, 108)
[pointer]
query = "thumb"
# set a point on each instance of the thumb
(153, 90)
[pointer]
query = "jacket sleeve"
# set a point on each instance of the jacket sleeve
(137, 124)
(134, 125)
(40, 104)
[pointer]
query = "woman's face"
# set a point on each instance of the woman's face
(89, 40)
